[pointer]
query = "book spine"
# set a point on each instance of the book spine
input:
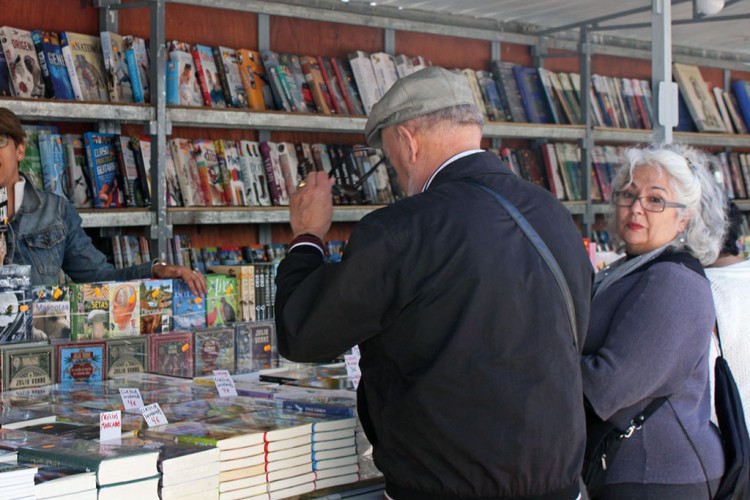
(202, 83)
(128, 186)
(329, 85)
(135, 77)
(173, 85)
(221, 70)
(71, 67)
(36, 37)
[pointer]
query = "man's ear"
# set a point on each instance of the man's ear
(410, 141)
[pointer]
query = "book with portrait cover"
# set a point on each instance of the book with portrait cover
(85, 64)
(89, 311)
(187, 173)
(698, 98)
(255, 346)
(126, 355)
(208, 76)
(189, 92)
(254, 174)
(50, 55)
(103, 170)
(15, 302)
(28, 365)
(214, 350)
(22, 62)
(81, 362)
(210, 171)
(79, 189)
(116, 67)
(52, 156)
(50, 310)
(171, 354)
(254, 80)
(156, 305)
(124, 309)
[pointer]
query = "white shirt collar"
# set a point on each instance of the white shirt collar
(18, 190)
(448, 162)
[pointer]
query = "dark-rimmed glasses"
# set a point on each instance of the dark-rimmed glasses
(4, 140)
(650, 203)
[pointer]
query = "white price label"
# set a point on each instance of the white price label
(153, 415)
(131, 399)
(110, 425)
(224, 383)
(352, 368)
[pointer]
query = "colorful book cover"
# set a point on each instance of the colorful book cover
(156, 305)
(31, 165)
(128, 171)
(345, 79)
(125, 309)
(245, 275)
(116, 67)
(171, 354)
(214, 350)
(81, 362)
(89, 311)
(141, 147)
(174, 193)
(228, 59)
(532, 95)
(28, 365)
(36, 38)
(139, 48)
(135, 80)
(274, 174)
(52, 156)
(22, 61)
(221, 300)
(254, 174)
(58, 72)
(253, 76)
(189, 93)
(208, 77)
(502, 72)
(187, 173)
(255, 346)
(210, 171)
(126, 355)
(234, 185)
(15, 302)
(83, 58)
(79, 189)
(50, 310)
(293, 67)
(188, 309)
(103, 170)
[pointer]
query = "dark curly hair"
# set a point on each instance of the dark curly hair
(734, 230)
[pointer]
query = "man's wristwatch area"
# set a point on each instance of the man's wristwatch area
(307, 243)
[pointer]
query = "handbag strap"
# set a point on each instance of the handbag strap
(531, 233)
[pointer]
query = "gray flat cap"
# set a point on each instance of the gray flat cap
(421, 93)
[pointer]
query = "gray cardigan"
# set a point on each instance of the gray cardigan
(649, 335)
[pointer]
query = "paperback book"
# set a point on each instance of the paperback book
(85, 64)
(188, 309)
(22, 62)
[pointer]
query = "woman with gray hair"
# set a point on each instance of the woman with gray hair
(650, 328)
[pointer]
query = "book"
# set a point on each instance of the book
(348, 87)
(171, 354)
(103, 170)
(254, 80)
(156, 306)
(17, 418)
(89, 311)
(276, 80)
(331, 81)
(31, 164)
(16, 477)
(81, 362)
(136, 53)
(53, 481)
(493, 102)
(552, 170)
(741, 91)
(187, 173)
(364, 76)
(256, 346)
(22, 62)
(189, 92)
(126, 355)
(202, 433)
(111, 462)
(384, 66)
(228, 61)
(188, 310)
(698, 98)
(253, 174)
(502, 72)
(179, 462)
(272, 165)
(734, 112)
(552, 98)
(79, 188)
(210, 172)
(221, 300)
(293, 67)
(50, 310)
(124, 309)
(141, 148)
(128, 171)
(15, 302)
(85, 64)
(321, 94)
(214, 350)
(28, 365)
(228, 155)
(116, 67)
(50, 56)
(52, 156)
(245, 289)
(6, 86)
(208, 77)
(532, 95)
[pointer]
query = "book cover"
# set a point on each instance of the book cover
(214, 350)
(503, 73)
(721, 105)
(79, 189)
(364, 76)
(532, 95)
(139, 49)
(53, 163)
(331, 80)
(89, 311)
(256, 346)
(81, 362)
(141, 148)
(187, 173)
(221, 300)
(126, 355)
(283, 86)
(50, 311)
(102, 162)
(31, 165)
(6, 86)
(570, 95)
(124, 312)
(734, 112)
(345, 79)
(253, 76)
(219, 436)
(188, 309)
(174, 193)
(698, 98)
(116, 67)
(531, 170)
(293, 67)
(156, 305)
(318, 88)
(189, 91)
(228, 158)
(171, 354)
(228, 60)
(274, 174)
(59, 480)
(128, 171)
(741, 91)
(470, 76)
(50, 55)
(210, 171)
(28, 365)
(208, 76)
(83, 58)
(492, 101)
(245, 287)
(384, 67)
(15, 302)
(552, 170)
(254, 174)
(177, 459)
(22, 62)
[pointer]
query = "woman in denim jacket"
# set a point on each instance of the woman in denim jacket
(44, 229)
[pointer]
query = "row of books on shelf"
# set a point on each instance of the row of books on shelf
(95, 311)
(286, 442)
(100, 170)
(113, 68)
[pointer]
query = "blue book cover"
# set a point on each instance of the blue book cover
(188, 309)
(58, 72)
(53, 163)
(36, 38)
(173, 84)
(742, 94)
(685, 121)
(135, 78)
(532, 95)
(81, 362)
(103, 171)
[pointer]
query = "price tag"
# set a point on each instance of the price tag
(153, 415)
(352, 367)
(131, 399)
(224, 383)
(110, 425)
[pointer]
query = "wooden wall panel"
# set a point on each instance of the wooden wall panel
(447, 51)
(57, 15)
(318, 38)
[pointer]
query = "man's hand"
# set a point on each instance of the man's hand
(311, 205)
(194, 279)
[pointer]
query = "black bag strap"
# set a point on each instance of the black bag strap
(531, 233)
(637, 421)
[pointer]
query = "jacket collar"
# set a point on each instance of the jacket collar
(31, 199)
(485, 162)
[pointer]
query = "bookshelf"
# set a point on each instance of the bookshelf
(330, 28)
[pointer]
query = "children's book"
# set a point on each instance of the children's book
(22, 61)
(83, 59)
(89, 311)
(124, 309)
(81, 362)
(156, 305)
(214, 350)
(221, 300)
(188, 310)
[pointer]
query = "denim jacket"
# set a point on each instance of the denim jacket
(46, 233)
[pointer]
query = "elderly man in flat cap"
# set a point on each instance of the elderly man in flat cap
(471, 385)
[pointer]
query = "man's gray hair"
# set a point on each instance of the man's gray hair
(465, 114)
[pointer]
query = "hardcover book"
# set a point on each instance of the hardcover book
(187, 172)
(22, 62)
(28, 365)
(698, 98)
(228, 61)
(256, 346)
(101, 159)
(503, 73)
(53, 163)
(79, 189)
(125, 309)
(116, 67)
(189, 91)
(83, 59)
(245, 291)
(210, 171)
(89, 311)
(81, 362)
(218, 436)
(208, 76)
(188, 310)
(214, 350)
(156, 305)
(171, 354)
(52, 481)
(741, 91)
(253, 76)
(58, 72)
(532, 95)
(254, 174)
(50, 310)
(15, 302)
(126, 355)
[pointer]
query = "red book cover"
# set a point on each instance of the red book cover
(171, 354)
(201, 76)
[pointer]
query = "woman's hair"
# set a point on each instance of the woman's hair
(734, 230)
(693, 185)
(10, 125)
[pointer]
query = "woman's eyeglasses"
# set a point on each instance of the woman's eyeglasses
(4, 140)
(650, 203)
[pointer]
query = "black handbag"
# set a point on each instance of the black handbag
(731, 419)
